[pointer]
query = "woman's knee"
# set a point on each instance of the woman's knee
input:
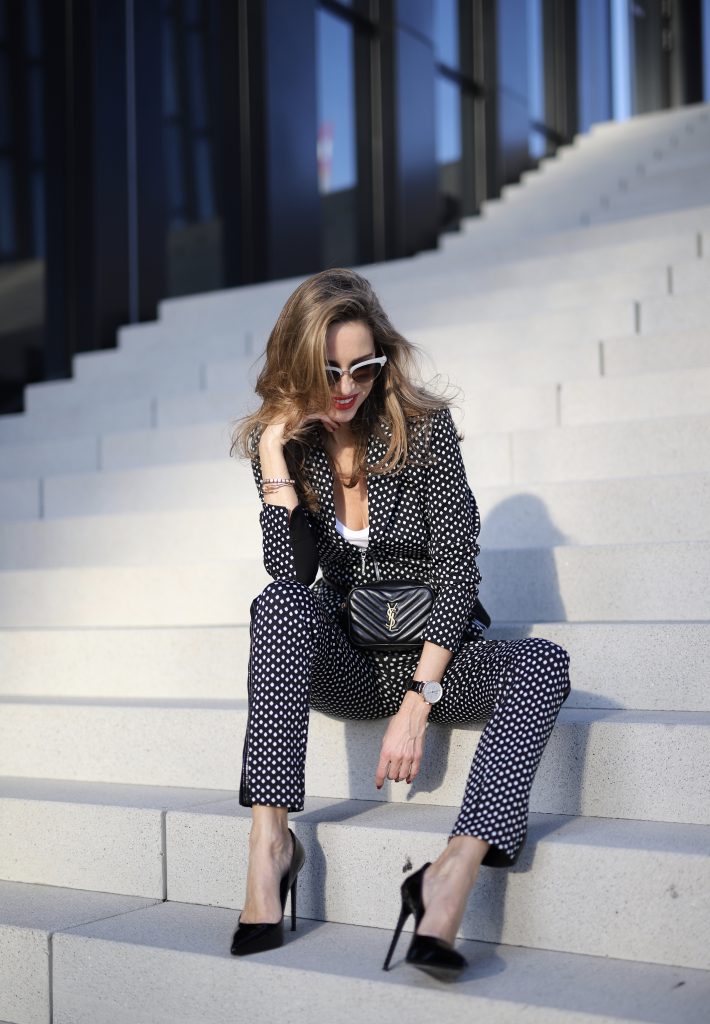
(544, 664)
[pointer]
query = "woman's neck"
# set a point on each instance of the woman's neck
(342, 440)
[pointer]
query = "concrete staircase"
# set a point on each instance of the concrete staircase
(574, 317)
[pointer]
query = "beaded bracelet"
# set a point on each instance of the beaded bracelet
(270, 486)
(277, 480)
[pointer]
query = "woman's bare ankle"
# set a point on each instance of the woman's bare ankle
(447, 886)
(269, 827)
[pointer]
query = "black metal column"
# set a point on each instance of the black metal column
(285, 187)
(409, 140)
(104, 203)
(145, 174)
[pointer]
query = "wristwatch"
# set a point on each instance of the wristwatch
(430, 690)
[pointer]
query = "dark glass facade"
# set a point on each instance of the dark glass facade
(163, 147)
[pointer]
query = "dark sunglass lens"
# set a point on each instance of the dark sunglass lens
(366, 374)
(333, 375)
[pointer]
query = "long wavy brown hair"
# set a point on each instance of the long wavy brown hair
(293, 382)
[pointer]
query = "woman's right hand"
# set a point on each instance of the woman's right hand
(273, 460)
(273, 435)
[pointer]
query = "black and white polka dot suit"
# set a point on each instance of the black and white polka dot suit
(423, 526)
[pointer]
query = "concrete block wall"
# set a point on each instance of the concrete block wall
(577, 333)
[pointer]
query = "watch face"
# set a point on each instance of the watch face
(432, 692)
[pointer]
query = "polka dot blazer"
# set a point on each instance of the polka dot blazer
(424, 524)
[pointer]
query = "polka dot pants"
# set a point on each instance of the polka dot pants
(301, 659)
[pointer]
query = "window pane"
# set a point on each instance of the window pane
(174, 173)
(33, 28)
(446, 32)
(448, 152)
(7, 220)
(448, 121)
(38, 213)
(337, 166)
(196, 80)
(203, 179)
(536, 77)
(4, 103)
(170, 104)
(35, 91)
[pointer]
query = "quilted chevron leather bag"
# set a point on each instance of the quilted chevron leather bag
(389, 615)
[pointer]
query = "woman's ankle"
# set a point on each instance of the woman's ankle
(269, 827)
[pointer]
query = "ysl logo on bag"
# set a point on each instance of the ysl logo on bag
(391, 617)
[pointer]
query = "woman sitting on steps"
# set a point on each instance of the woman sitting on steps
(360, 474)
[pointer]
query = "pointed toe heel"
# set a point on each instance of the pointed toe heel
(259, 938)
(435, 957)
(427, 953)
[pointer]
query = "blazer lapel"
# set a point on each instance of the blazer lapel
(381, 491)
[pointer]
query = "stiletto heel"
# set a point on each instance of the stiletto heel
(425, 952)
(258, 938)
(294, 888)
(403, 915)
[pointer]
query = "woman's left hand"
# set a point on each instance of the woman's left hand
(403, 743)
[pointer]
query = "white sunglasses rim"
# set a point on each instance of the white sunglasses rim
(380, 360)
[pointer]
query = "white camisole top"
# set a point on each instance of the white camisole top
(359, 538)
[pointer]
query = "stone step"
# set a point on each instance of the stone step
(676, 176)
(20, 498)
(674, 313)
(492, 404)
(652, 353)
(601, 886)
(615, 665)
(609, 583)
(612, 209)
(501, 240)
(601, 762)
(200, 485)
(175, 377)
(186, 845)
(563, 178)
(167, 446)
(520, 267)
(455, 354)
(46, 456)
(628, 449)
(29, 917)
(141, 369)
(215, 388)
(187, 467)
(148, 379)
(668, 182)
(105, 837)
(490, 408)
(172, 962)
(500, 298)
(598, 451)
(620, 511)
(646, 396)
(593, 583)
(170, 334)
(78, 420)
(146, 355)
(690, 276)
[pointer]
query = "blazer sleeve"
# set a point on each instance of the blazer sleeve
(288, 542)
(454, 524)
